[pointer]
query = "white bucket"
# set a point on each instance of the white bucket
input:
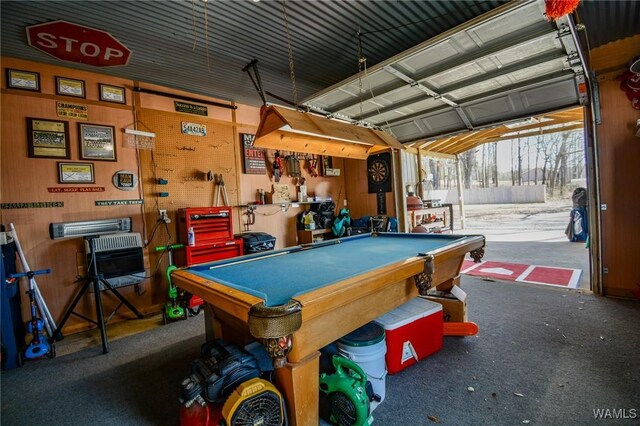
(371, 359)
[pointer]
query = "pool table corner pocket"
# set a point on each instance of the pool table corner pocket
(275, 326)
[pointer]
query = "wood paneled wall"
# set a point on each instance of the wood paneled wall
(26, 179)
(619, 152)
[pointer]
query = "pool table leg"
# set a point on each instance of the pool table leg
(299, 383)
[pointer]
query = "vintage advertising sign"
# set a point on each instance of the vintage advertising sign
(191, 108)
(194, 129)
(77, 43)
(253, 158)
(75, 111)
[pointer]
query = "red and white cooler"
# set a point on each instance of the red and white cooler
(413, 331)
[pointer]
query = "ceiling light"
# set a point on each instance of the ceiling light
(139, 133)
(290, 130)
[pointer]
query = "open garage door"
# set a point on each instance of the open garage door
(507, 65)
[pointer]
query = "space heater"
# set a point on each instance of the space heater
(119, 259)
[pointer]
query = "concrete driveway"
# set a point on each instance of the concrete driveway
(527, 234)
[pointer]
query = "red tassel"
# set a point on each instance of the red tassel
(555, 9)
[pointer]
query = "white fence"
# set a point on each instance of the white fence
(494, 195)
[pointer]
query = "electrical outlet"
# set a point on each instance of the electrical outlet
(163, 216)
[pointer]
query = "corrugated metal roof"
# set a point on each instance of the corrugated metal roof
(608, 21)
(169, 39)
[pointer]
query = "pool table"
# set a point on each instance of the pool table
(299, 299)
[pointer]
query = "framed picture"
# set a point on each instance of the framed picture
(70, 87)
(112, 94)
(48, 138)
(75, 173)
(23, 80)
(97, 142)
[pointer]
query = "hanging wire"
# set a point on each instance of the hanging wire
(206, 35)
(193, 23)
(291, 66)
(371, 92)
(361, 61)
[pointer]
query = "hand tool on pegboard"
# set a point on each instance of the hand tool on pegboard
(220, 188)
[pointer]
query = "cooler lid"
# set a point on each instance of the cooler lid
(367, 335)
(407, 313)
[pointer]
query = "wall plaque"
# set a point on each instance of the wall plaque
(117, 202)
(191, 108)
(253, 162)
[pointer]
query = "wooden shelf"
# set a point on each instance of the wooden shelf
(288, 203)
(305, 236)
(445, 210)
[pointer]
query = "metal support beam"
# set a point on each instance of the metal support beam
(435, 95)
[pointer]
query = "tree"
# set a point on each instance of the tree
(467, 162)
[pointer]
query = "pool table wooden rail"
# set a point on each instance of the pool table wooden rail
(328, 313)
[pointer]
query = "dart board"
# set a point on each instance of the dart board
(379, 172)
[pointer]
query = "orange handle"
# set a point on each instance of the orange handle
(460, 328)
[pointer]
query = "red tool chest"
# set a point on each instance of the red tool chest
(213, 234)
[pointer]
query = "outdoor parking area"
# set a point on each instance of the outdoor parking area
(531, 234)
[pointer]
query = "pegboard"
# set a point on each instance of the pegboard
(184, 160)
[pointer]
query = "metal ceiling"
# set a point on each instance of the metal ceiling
(201, 47)
(507, 66)
(607, 21)
(170, 39)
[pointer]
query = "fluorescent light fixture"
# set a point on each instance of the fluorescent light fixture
(291, 130)
(139, 133)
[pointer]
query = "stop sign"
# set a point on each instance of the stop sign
(76, 43)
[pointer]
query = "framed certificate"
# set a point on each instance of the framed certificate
(70, 87)
(75, 173)
(48, 138)
(112, 94)
(23, 80)
(97, 142)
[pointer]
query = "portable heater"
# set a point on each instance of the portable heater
(254, 402)
(344, 399)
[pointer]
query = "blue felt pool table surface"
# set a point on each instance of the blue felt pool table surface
(278, 276)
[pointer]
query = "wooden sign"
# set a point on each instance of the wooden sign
(118, 202)
(253, 162)
(57, 189)
(31, 205)
(75, 111)
(191, 108)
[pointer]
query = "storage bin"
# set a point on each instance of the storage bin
(256, 242)
(366, 347)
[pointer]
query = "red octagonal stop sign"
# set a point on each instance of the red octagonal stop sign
(76, 43)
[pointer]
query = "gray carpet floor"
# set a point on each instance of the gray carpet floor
(543, 356)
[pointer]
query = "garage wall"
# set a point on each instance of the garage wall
(619, 152)
(26, 179)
